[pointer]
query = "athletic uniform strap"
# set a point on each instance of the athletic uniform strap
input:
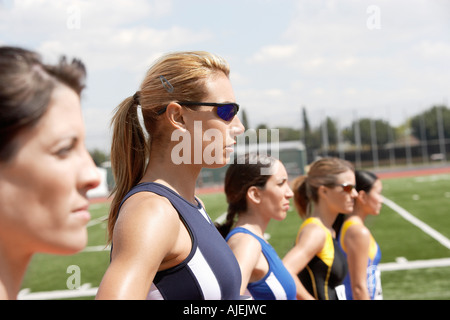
(324, 273)
(373, 272)
(210, 271)
(278, 283)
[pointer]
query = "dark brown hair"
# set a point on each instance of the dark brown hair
(26, 85)
(244, 173)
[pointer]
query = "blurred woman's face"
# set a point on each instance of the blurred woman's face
(373, 199)
(276, 194)
(44, 207)
(339, 200)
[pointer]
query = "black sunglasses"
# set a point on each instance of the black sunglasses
(345, 186)
(225, 111)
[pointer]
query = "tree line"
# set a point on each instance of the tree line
(429, 126)
(423, 126)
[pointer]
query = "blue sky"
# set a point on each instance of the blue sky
(383, 59)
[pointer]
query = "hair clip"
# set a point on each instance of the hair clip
(166, 84)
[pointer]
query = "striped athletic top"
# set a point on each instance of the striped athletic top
(323, 275)
(373, 272)
(210, 272)
(278, 283)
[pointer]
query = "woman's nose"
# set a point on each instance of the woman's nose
(237, 126)
(90, 176)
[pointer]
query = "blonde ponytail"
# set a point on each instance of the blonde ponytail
(129, 154)
(178, 76)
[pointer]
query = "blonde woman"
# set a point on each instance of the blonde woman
(164, 245)
(45, 169)
(327, 190)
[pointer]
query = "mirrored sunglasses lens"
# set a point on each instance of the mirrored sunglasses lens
(226, 112)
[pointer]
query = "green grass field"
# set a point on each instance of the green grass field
(427, 198)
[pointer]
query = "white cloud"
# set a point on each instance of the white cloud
(438, 50)
(333, 61)
(274, 52)
(103, 33)
(116, 39)
(311, 52)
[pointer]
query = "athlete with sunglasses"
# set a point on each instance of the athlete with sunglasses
(316, 260)
(164, 245)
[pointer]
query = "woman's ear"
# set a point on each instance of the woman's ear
(174, 113)
(322, 191)
(254, 194)
(362, 196)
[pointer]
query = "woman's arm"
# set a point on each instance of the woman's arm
(357, 242)
(145, 234)
(247, 251)
(310, 241)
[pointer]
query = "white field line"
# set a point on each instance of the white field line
(221, 219)
(97, 248)
(86, 291)
(94, 222)
(417, 264)
(418, 223)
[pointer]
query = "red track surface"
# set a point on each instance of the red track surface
(382, 175)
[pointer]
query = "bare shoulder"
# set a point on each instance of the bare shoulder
(244, 242)
(146, 205)
(310, 242)
(357, 238)
(144, 218)
(312, 233)
(358, 232)
(145, 233)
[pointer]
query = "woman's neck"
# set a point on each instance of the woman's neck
(358, 212)
(181, 178)
(326, 216)
(13, 266)
(253, 221)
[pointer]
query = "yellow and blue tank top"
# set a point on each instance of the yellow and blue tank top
(373, 272)
(324, 274)
(278, 283)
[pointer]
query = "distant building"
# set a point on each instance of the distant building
(291, 153)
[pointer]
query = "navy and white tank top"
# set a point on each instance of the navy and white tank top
(210, 271)
(278, 283)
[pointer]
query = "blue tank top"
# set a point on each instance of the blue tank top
(373, 272)
(278, 283)
(210, 271)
